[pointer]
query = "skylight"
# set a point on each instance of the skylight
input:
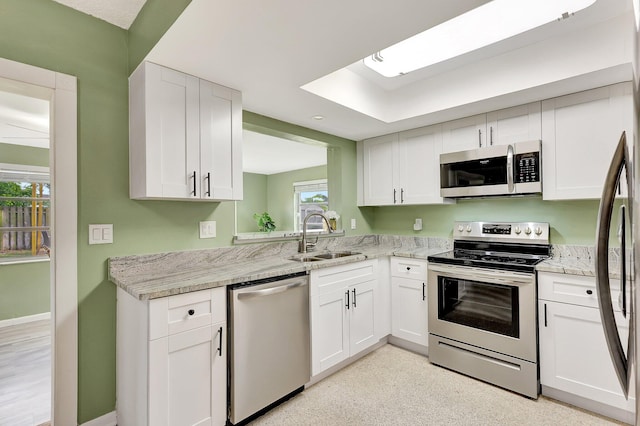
(480, 27)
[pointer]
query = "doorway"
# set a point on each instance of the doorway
(25, 234)
(61, 92)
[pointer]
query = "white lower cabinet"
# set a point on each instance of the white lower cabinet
(343, 311)
(409, 300)
(171, 360)
(574, 358)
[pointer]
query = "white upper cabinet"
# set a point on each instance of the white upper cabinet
(403, 168)
(419, 165)
(379, 172)
(517, 124)
(465, 133)
(579, 135)
(185, 137)
(502, 127)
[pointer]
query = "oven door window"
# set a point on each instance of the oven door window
(485, 306)
(487, 171)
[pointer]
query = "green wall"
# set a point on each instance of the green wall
(24, 289)
(255, 201)
(17, 154)
(572, 222)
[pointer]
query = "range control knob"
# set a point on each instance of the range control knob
(538, 230)
(460, 228)
(517, 230)
(468, 228)
(527, 230)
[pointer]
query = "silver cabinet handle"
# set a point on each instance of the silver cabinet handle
(354, 298)
(491, 135)
(194, 184)
(510, 185)
(394, 195)
(401, 195)
(479, 138)
(347, 294)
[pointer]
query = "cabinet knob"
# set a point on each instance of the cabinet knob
(589, 291)
(408, 268)
(191, 311)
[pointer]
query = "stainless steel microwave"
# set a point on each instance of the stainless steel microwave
(496, 170)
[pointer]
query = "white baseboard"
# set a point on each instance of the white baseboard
(24, 320)
(108, 419)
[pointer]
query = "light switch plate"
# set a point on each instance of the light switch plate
(101, 233)
(208, 229)
(353, 224)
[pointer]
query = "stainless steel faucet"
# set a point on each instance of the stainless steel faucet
(303, 248)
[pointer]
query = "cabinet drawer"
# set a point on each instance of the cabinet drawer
(175, 314)
(327, 280)
(404, 267)
(575, 289)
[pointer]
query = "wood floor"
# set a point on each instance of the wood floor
(25, 374)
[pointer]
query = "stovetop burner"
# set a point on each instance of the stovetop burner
(480, 244)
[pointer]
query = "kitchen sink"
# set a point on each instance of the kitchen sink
(317, 257)
(336, 254)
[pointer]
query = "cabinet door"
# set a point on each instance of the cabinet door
(465, 133)
(181, 370)
(219, 375)
(361, 316)
(419, 165)
(579, 135)
(409, 310)
(220, 138)
(329, 329)
(172, 126)
(517, 124)
(378, 171)
(574, 356)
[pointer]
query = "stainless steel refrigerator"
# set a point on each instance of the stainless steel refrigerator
(619, 214)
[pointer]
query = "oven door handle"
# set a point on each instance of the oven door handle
(477, 274)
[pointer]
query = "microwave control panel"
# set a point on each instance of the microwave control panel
(527, 167)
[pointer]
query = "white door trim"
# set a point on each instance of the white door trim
(64, 253)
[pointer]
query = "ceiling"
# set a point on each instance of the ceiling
(267, 155)
(295, 61)
(121, 13)
(269, 50)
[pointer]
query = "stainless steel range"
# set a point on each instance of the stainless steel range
(482, 303)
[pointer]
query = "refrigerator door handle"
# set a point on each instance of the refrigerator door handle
(623, 262)
(621, 362)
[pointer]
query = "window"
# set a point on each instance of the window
(24, 213)
(310, 197)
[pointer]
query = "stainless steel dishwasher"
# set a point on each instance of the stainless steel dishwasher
(269, 345)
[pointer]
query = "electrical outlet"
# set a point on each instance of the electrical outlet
(208, 229)
(417, 226)
(353, 224)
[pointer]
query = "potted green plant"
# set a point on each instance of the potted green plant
(265, 223)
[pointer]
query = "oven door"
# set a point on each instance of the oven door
(491, 309)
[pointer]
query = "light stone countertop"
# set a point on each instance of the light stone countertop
(580, 260)
(158, 275)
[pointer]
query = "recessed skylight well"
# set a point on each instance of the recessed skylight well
(480, 27)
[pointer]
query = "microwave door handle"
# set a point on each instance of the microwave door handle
(621, 363)
(510, 186)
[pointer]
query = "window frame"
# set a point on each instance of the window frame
(307, 186)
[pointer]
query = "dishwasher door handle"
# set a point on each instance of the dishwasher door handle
(270, 291)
